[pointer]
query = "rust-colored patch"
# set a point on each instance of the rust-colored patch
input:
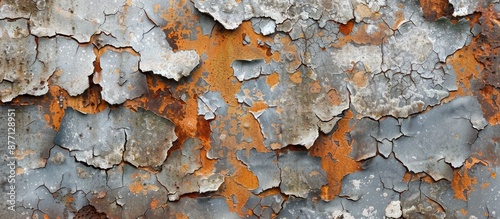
(154, 203)
(137, 186)
(467, 69)
(334, 151)
(400, 18)
(408, 177)
(435, 9)
(57, 99)
(164, 97)
(333, 97)
(462, 183)
(180, 215)
(426, 178)
(360, 79)
(346, 28)
(315, 87)
(258, 106)
(203, 133)
(230, 188)
(372, 34)
(363, 11)
(272, 80)
(19, 155)
(19, 171)
(485, 185)
(296, 77)
(69, 200)
(463, 211)
(490, 102)
(245, 177)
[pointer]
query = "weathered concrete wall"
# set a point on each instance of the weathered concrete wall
(250, 108)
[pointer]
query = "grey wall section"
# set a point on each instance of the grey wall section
(249, 109)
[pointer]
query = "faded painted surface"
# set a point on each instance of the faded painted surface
(250, 108)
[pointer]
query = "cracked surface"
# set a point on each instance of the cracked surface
(250, 109)
(112, 136)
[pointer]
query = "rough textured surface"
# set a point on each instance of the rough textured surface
(113, 136)
(22, 71)
(177, 172)
(120, 77)
(73, 66)
(249, 109)
(436, 148)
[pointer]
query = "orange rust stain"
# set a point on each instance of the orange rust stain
(161, 99)
(156, 8)
(427, 179)
(203, 133)
(314, 173)
(45, 216)
(137, 187)
(154, 203)
(463, 211)
(101, 194)
(371, 34)
(272, 191)
(141, 176)
(342, 41)
(467, 68)
(315, 87)
(462, 182)
(243, 176)
(400, 18)
(218, 66)
(19, 155)
(334, 152)
(258, 106)
(68, 200)
(346, 28)
(19, 171)
(88, 102)
(490, 100)
(485, 185)
(434, 9)
(180, 215)
(363, 11)
(296, 77)
(272, 80)
(275, 146)
(333, 97)
(216, 71)
(407, 177)
(493, 175)
(360, 79)
(230, 188)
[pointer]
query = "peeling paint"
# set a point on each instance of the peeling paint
(250, 109)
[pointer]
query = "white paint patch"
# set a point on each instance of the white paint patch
(342, 214)
(356, 184)
(393, 210)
